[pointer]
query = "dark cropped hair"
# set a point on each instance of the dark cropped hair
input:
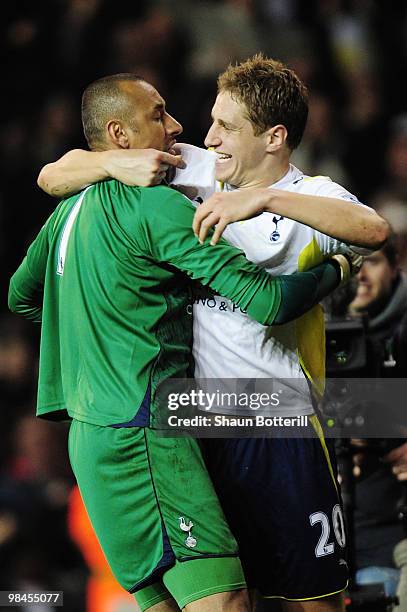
(271, 93)
(102, 100)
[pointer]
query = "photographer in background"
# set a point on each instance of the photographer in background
(381, 294)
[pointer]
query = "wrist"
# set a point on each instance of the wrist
(267, 200)
(105, 164)
(344, 267)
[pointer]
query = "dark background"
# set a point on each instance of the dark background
(351, 54)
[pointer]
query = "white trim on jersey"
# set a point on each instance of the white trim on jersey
(66, 232)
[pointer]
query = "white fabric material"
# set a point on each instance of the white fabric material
(228, 343)
(197, 179)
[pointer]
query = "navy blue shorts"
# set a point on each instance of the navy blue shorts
(283, 506)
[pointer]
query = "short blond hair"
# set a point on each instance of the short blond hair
(271, 93)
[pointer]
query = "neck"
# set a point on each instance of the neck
(268, 176)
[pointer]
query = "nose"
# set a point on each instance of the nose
(172, 127)
(361, 275)
(212, 139)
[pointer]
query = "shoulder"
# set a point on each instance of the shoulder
(59, 216)
(121, 199)
(160, 196)
(298, 181)
(163, 209)
(323, 186)
(305, 182)
(113, 188)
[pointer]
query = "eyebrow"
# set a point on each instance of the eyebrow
(225, 124)
(159, 106)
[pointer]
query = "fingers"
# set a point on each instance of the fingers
(159, 173)
(358, 459)
(400, 472)
(203, 212)
(199, 216)
(158, 177)
(172, 160)
(211, 220)
(206, 217)
(219, 229)
(200, 224)
(397, 454)
(398, 466)
(179, 163)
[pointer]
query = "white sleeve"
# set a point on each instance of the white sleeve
(323, 186)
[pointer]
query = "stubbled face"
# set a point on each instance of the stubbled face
(155, 128)
(374, 283)
(241, 154)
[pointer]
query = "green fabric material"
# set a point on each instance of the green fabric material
(134, 483)
(192, 580)
(151, 595)
(301, 291)
(115, 319)
(114, 311)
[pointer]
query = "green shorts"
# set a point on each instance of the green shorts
(154, 511)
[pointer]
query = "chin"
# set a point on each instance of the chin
(224, 177)
(222, 173)
(361, 304)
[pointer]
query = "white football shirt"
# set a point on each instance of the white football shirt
(228, 344)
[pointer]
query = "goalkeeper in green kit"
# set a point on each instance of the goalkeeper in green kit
(108, 277)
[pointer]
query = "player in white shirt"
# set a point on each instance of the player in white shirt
(279, 495)
(280, 245)
(271, 486)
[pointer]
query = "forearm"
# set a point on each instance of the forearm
(79, 168)
(341, 219)
(72, 172)
(299, 292)
(280, 299)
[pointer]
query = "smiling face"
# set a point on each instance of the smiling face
(242, 156)
(258, 120)
(149, 125)
(375, 282)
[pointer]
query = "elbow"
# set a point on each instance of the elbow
(12, 302)
(382, 233)
(12, 305)
(11, 298)
(45, 181)
(373, 233)
(28, 311)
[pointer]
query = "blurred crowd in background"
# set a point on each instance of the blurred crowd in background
(352, 54)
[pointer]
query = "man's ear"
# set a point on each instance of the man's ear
(117, 134)
(276, 137)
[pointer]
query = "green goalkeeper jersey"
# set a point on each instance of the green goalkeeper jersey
(108, 276)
